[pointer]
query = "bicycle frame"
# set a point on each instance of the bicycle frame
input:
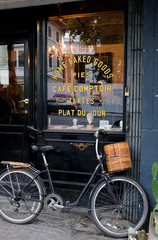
(92, 178)
(37, 174)
(98, 168)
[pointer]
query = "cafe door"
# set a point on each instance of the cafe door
(14, 101)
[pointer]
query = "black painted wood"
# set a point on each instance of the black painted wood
(74, 157)
(41, 86)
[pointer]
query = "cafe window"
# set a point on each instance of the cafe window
(85, 77)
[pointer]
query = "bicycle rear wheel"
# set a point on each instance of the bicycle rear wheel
(126, 207)
(21, 198)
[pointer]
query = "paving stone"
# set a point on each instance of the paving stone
(54, 226)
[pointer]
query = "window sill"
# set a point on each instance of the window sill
(81, 130)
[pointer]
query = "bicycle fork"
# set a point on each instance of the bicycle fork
(107, 180)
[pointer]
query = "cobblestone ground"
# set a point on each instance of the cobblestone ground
(75, 225)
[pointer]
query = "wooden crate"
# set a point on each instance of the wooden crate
(118, 157)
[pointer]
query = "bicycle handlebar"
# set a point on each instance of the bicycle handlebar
(99, 133)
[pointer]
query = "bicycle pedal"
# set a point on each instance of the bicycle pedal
(65, 210)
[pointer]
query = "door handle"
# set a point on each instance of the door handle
(26, 101)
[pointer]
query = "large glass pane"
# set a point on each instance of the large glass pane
(12, 84)
(85, 71)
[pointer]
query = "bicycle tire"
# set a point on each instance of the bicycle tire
(25, 207)
(127, 208)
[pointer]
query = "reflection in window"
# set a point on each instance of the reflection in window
(57, 37)
(21, 58)
(11, 84)
(86, 72)
(49, 32)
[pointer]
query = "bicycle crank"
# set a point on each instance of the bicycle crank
(53, 202)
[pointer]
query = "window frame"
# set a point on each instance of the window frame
(124, 113)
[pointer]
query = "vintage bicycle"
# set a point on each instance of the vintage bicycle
(115, 202)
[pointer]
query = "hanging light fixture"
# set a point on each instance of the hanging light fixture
(59, 17)
(60, 49)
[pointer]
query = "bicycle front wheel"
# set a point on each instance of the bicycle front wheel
(21, 196)
(126, 206)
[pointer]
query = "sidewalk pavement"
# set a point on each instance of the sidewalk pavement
(75, 225)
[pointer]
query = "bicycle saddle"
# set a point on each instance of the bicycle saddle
(41, 148)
